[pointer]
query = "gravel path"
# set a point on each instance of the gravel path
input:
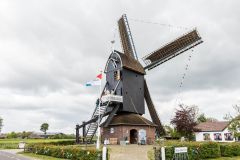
(129, 152)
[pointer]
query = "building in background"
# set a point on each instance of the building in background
(214, 131)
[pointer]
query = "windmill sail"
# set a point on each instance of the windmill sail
(152, 111)
(172, 49)
(126, 37)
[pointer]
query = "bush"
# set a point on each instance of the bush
(229, 150)
(62, 143)
(209, 150)
(196, 150)
(150, 155)
(68, 152)
(63, 136)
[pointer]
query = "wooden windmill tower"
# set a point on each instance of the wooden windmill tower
(126, 88)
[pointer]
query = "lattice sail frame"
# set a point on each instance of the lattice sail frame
(172, 49)
(126, 37)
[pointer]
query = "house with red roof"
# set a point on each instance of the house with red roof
(214, 131)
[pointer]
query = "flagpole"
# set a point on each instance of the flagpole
(99, 105)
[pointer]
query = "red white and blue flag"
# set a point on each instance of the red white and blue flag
(95, 82)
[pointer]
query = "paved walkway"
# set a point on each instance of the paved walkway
(129, 152)
(11, 155)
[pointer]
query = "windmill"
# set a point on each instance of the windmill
(126, 87)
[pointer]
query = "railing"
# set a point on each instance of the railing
(112, 98)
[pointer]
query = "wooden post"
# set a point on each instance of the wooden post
(84, 131)
(77, 134)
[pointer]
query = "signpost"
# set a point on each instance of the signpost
(180, 150)
(180, 153)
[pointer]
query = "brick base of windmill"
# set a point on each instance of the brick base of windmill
(129, 128)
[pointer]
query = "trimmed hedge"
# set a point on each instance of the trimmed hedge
(203, 150)
(62, 143)
(67, 152)
(230, 150)
(195, 150)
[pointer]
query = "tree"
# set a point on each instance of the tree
(234, 121)
(185, 120)
(201, 118)
(12, 135)
(1, 124)
(25, 134)
(44, 128)
(172, 132)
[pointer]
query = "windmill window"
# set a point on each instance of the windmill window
(111, 130)
(117, 75)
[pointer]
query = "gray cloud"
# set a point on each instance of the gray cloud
(49, 49)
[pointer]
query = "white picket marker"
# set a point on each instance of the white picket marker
(163, 153)
(104, 153)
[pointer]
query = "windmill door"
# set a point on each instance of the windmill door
(133, 136)
(142, 136)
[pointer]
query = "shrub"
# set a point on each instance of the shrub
(64, 143)
(229, 150)
(63, 136)
(196, 150)
(150, 155)
(209, 150)
(68, 152)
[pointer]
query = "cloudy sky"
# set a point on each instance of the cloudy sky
(50, 48)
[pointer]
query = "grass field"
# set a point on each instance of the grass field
(30, 140)
(13, 143)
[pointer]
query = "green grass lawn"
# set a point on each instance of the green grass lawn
(39, 157)
(30, 140)
(226, 158)
(13, 143)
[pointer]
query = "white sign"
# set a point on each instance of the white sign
(21, 145)
(180, 150)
